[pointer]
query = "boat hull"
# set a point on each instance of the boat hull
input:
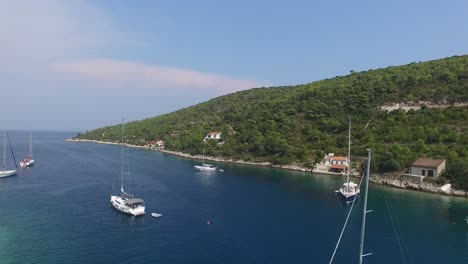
(348, 198)
(119, 204)
(7, 173)
(26, 163)
(204, 168)
(348, 192)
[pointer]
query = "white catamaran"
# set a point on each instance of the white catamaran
(28, 161)
(349, 190)
(4, 172)
(126, 202)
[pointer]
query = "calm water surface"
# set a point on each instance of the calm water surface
(59, 212)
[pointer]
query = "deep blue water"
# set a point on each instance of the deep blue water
(59, 212)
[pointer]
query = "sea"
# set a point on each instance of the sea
(59, 211)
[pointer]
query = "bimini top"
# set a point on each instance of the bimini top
(133, 201)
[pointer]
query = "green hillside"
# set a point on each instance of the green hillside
(299, 124)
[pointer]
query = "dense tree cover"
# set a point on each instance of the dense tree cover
(298, 124)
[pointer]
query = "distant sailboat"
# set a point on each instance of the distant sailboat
(350, 190)
(205, 167)
(125, 202)
(3, 171)
(28, 161)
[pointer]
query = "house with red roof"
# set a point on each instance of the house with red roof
(155, 143)
(338, 164)
(213, 135)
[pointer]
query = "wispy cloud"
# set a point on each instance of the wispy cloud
(51, 48)
(115, 73)
(35, 33)
(70, 37)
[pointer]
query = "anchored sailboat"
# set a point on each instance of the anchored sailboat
(28, 161)
(364, 213)
(3, 171)
(125, 202)
(349, 190)
(204, 166)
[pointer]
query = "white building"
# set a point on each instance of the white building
(338, 164)
(213, 135)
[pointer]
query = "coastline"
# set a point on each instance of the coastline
(199, 157)
(376, 179)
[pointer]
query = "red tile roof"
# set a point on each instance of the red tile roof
(340, 158)
(428, 163)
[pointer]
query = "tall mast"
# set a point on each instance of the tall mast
(122, 158)
(364, 210)
(349, 154)
(4, 149)
(30, 145)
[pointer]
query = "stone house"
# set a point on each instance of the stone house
(427, 167)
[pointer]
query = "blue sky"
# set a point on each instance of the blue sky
(79, 65)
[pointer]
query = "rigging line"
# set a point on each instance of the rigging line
(345, 224)
(395, 231)
(11, 148)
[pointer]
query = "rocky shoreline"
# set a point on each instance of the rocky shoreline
(416, 186)
(380, 180)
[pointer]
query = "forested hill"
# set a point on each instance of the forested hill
(298, 124)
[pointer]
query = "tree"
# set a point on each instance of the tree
(457, 171)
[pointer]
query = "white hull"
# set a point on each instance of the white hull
(27, 163)
(6, 173)
(349, 193)
(119, 204)
(205, 167)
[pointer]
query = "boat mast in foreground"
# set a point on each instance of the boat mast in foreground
(364, 210)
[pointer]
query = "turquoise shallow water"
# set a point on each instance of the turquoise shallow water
(59, 212)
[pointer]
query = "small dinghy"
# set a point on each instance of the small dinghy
(156, 215)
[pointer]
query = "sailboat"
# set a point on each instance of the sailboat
(204, 166)
(3, 171)
(125, 202)
(364, 214)
(349, 190)
(28, 161)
